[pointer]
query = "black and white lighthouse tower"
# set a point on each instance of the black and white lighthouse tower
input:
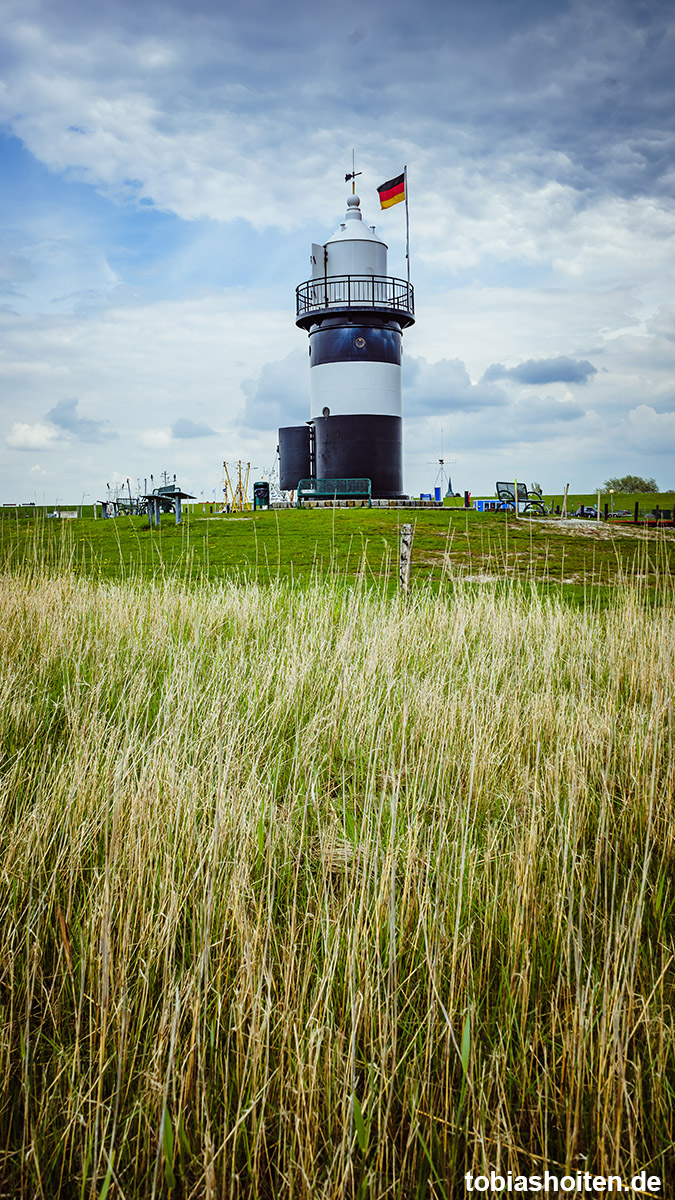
(354, 313)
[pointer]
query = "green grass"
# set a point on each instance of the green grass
(353, 545)
(315, 892)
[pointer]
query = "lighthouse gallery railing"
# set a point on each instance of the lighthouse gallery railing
(355, 291)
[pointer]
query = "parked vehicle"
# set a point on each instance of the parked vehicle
(588, 511)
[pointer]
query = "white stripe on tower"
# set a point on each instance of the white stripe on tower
(349, 387)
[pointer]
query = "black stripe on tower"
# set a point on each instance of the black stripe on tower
(347, 342)
(361, 446)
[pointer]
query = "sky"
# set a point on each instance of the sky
(164, 169)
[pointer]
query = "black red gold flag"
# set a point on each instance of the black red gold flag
(393, 191)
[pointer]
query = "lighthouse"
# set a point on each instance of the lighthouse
(354, 313)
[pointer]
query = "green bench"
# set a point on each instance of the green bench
(334, 489)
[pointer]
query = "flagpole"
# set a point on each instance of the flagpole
(407, 222)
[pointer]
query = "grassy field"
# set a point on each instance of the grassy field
(316, 891)
(576, 559)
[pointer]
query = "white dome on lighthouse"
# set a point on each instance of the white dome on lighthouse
(355, 248)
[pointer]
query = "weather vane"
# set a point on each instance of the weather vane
(352, 176)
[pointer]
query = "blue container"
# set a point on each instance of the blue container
(437, 495)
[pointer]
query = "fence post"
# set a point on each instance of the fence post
(637, 512)
(406, 556)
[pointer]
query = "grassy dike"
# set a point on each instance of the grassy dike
(312, 892)
(580, 560)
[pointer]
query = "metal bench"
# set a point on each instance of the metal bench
(528, 502)
(334, 489)
(165, 500)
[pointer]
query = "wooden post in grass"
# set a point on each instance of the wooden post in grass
(597, 511)
(564, 503)
(515, 488)
(406, 556)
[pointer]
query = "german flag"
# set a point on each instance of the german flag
(392, 191)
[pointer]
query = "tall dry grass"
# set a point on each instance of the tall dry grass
(320, 894)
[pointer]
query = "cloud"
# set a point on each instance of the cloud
(14, 269)
(146, 366)
(161, 113)
(647, 431)
(444, 386)
(33, 437)
(156, 439)
(519, 431)
(533, 412)
(279, 395)
(84, 429)
(510, 219)
(183, 428)
(50, 261)
(662, 324)
(535, 372)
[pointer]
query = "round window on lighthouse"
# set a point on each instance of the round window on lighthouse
(359, 342)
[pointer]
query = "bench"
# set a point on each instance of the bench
(165, 500)
(334, 489)
(528, 502)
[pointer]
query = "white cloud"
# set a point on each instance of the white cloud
(122, 130)
(33, 437)
(278, 395)
(503, 215)
(532, 413)
(201, 114)
(662, 324)
(184, 428)
(156, 439)
(648, 431)
(65, 416)
(444, 387)
(142, 369)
